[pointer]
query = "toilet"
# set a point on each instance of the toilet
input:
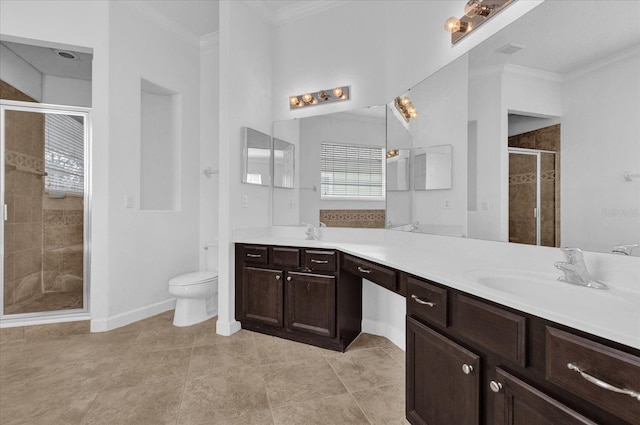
(196, 293)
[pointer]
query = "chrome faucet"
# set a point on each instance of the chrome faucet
(575, 270)
(310, 233)
(415, 226)
(624, 249)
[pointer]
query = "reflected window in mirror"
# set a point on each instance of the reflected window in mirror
(257, 157)
(352, 171)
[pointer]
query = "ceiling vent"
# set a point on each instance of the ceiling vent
(65, 54)
(510, 48)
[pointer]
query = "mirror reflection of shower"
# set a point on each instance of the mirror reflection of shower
(45, 94)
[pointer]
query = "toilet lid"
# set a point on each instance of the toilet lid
(193, 278)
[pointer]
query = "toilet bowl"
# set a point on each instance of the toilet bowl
(196, 295)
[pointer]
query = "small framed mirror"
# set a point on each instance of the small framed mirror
(432, 167)
(284, 156)
(256, 157)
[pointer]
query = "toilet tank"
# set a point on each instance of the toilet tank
(211, 256)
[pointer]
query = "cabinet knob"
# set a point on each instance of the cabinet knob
(495, 386)
(289, 278)
(277, 277)
(467, 369)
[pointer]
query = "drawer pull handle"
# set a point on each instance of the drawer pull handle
(467, 369)
(495, 386)
(313, 260)
(363, 270)
(254, 255)
(288, 278)
(423, 302)
(602, 384)
(277, 277)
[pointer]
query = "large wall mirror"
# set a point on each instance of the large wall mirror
(542, 120)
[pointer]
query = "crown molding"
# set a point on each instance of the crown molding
(260, 9)
(533, 73)
(304, 9)
(617, 57)
(163, 22)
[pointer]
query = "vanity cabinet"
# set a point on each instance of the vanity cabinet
(471, 361)
(298, 294)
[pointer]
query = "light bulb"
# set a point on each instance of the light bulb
(294, 101)
(405, 101)
(306, 98)
(476, 8)
(454, 25)
(413, 114)
(323, 95)
(337, 92)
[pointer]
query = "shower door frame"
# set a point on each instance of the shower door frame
(538, 154)
(58, 315)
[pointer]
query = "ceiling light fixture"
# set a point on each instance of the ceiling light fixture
(476, 12)
(320, 97)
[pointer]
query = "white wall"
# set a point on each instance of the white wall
(20, 74)
(245, 99)
(441, 102)
(209, 145)
(148, 248)
(599, 208)
(66, 91)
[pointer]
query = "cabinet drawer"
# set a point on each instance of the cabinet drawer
(287, 257)
(255, 254)
(499, 330)
(427, 302)
(565, 353)
(370, 271)
(320, 260)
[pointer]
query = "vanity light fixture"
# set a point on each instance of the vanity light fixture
(406, 108)
(392, 152)
(476, 12)
(319, 97)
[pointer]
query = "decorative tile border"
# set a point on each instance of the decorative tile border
(353, 218)
(24, 162)
(531, 177)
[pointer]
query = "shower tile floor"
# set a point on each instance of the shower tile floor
(50, 301)
(151, 372)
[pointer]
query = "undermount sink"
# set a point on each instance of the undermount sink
(546, 290)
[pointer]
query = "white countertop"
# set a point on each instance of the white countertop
(461, 263)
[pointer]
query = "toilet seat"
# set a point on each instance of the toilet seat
(195, 278)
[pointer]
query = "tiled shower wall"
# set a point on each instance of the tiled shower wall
(24, 149)
(63, 249)
(520, 182)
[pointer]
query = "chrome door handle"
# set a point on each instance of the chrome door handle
(363, 270)
(254, 255)
(313, 260)
(467, 369)
(423, 302)
(602, 384)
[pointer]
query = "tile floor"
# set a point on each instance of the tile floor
(50, 301)
(153, 373)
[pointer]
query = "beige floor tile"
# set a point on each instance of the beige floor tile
(294, 382)
(69, 414)
(383, 405)
(151, 368)
(18, 355)
(396, 353)
(341, 409)
(208, 336)
(96, 346)
(364, 341)
(158, 339)
(279, 350)
(227, 394)
(141, 405)
(214, 358)
(367, 368)
(259, 418)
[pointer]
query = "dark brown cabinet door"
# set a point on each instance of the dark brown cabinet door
(262, 296)
(517, 403)
(443, 379)
(311, 303)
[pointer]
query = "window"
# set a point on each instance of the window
(64, 153)
(352, 171)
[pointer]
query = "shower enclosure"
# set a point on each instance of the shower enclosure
(44, 193)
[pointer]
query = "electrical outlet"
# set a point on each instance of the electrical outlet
(128, 201)
(447, 204)
(485, 205)
(245, 201)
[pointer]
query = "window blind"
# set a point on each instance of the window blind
(64, 153)
(351, 171)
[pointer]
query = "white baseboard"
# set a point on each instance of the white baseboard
(393, 334)
(227, 328)
(123, 319)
